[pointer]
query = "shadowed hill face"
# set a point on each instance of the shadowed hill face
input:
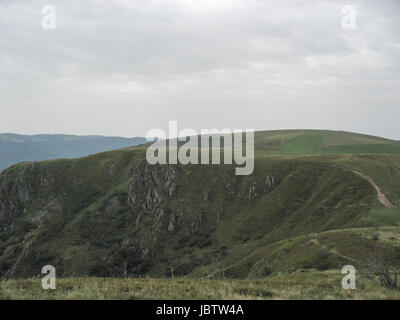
(302, 142)
(16, 148)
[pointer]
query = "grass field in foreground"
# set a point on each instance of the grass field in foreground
(300, 285)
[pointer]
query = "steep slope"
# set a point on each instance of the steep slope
(96, 215)
(112, 213)
(16, 148)
(326, 250)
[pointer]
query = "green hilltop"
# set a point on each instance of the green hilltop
(306, 142)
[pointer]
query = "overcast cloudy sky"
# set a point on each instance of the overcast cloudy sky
(124, 67)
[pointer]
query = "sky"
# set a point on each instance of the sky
(124, 67)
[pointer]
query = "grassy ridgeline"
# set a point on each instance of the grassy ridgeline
(306, 142)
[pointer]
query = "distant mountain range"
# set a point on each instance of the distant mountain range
(16, 148)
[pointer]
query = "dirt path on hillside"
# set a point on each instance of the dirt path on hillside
(381, 196)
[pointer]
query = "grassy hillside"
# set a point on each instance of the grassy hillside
(300, 285)
(301, 142)
(320, 251)
(16, 148)
(112, 213)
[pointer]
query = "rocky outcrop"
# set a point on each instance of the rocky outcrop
(162, 207)
(17, 190)
(152, 184)
(256, 187)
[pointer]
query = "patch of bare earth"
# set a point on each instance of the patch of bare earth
(381, 196)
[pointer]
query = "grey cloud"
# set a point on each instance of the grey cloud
(124, 67)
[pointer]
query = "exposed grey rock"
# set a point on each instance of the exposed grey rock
(53, 207)
(206, 195)
(171, 226)
(252, 193)
(270, 182)
(113, 205)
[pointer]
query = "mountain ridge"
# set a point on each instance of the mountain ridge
(16, 148)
